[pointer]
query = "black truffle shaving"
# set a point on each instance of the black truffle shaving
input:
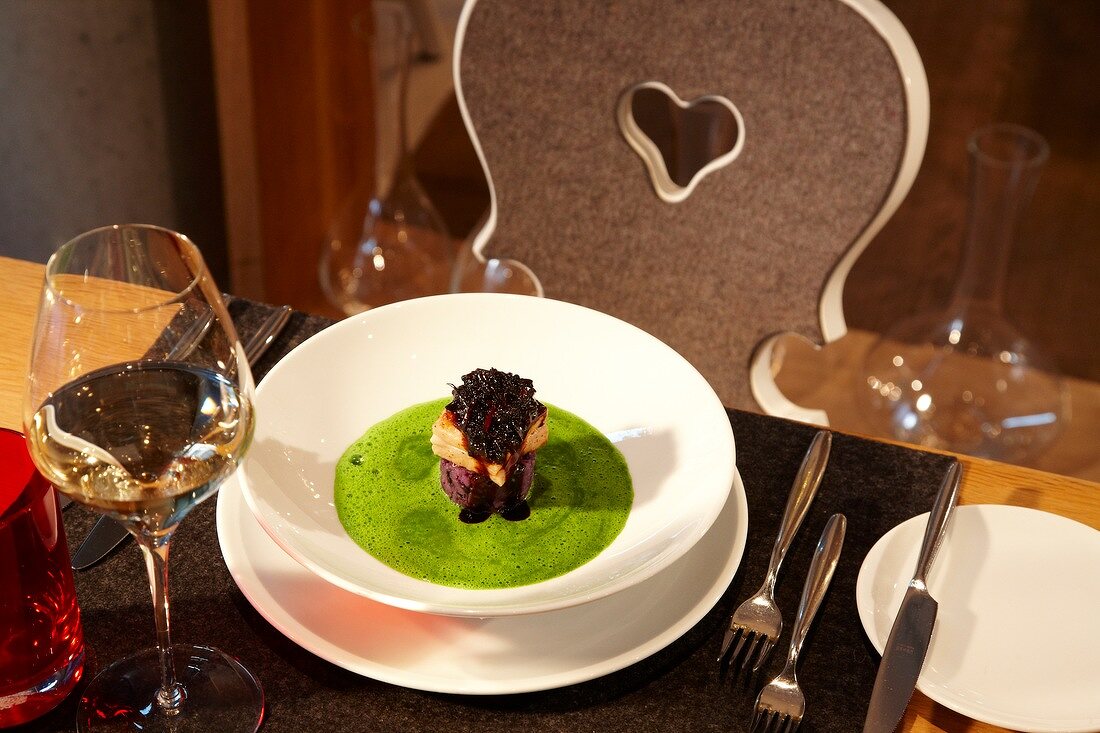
(494, 409)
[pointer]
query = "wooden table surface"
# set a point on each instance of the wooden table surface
(985, 482)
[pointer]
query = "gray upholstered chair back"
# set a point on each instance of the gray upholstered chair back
(834, 111)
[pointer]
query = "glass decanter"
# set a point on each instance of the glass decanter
(964, 378)
(387, 243)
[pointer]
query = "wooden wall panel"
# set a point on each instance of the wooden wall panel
(312, 112)
(295, 102)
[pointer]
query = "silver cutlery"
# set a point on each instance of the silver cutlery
(757, 623)
(266, 334)
(108, 533)
(903, 655)
(190, 339)
(781, 704)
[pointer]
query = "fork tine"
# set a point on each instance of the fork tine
(732, 633)
(765, 650)
(746, 637)
(750, 661)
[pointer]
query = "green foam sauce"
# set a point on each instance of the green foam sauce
(389, 500)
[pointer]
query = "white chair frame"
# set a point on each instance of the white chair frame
(830, 307)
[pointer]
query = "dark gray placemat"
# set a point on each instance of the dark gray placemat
(876, 485)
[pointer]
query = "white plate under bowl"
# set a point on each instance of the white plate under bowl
(1017, 637)
(660, 412)
(480, 656)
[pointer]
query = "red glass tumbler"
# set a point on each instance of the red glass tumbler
(41, 641)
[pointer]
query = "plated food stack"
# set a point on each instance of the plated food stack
(486, 439)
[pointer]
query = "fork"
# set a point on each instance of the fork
(781, 704)
(757, 623)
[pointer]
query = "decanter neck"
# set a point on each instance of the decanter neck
(1005, 164)
(391, 49)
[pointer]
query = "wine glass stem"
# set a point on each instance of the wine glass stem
(171, 694)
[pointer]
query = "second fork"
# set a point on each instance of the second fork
(780, 706)
(757, 623)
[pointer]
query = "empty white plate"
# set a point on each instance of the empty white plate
(1017, 638)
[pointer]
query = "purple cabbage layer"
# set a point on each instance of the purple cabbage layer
(476, 491)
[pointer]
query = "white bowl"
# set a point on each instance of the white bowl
(658, 410)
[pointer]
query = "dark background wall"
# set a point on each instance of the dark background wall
(107, 116)
(1032, 62)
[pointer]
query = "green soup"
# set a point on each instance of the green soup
(389, 500)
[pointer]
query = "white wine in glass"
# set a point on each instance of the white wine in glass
(139, 404)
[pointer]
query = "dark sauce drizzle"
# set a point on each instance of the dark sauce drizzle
(515, 513)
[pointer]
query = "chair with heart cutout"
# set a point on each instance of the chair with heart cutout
(708, 171)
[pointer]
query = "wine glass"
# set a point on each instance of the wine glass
(139, 404)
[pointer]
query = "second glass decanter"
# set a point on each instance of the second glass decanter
(964, 378)
(387, 243)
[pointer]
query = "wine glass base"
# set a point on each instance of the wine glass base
(221, 695)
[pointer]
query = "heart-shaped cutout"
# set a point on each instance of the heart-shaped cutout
(679, 142)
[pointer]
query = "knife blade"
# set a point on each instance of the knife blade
(905, 650)
(108, 533)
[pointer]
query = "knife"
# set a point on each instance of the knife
(903, 655)
(108, 533)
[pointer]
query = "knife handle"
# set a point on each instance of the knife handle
(946, 499)
(817, 581)
(798, 502)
